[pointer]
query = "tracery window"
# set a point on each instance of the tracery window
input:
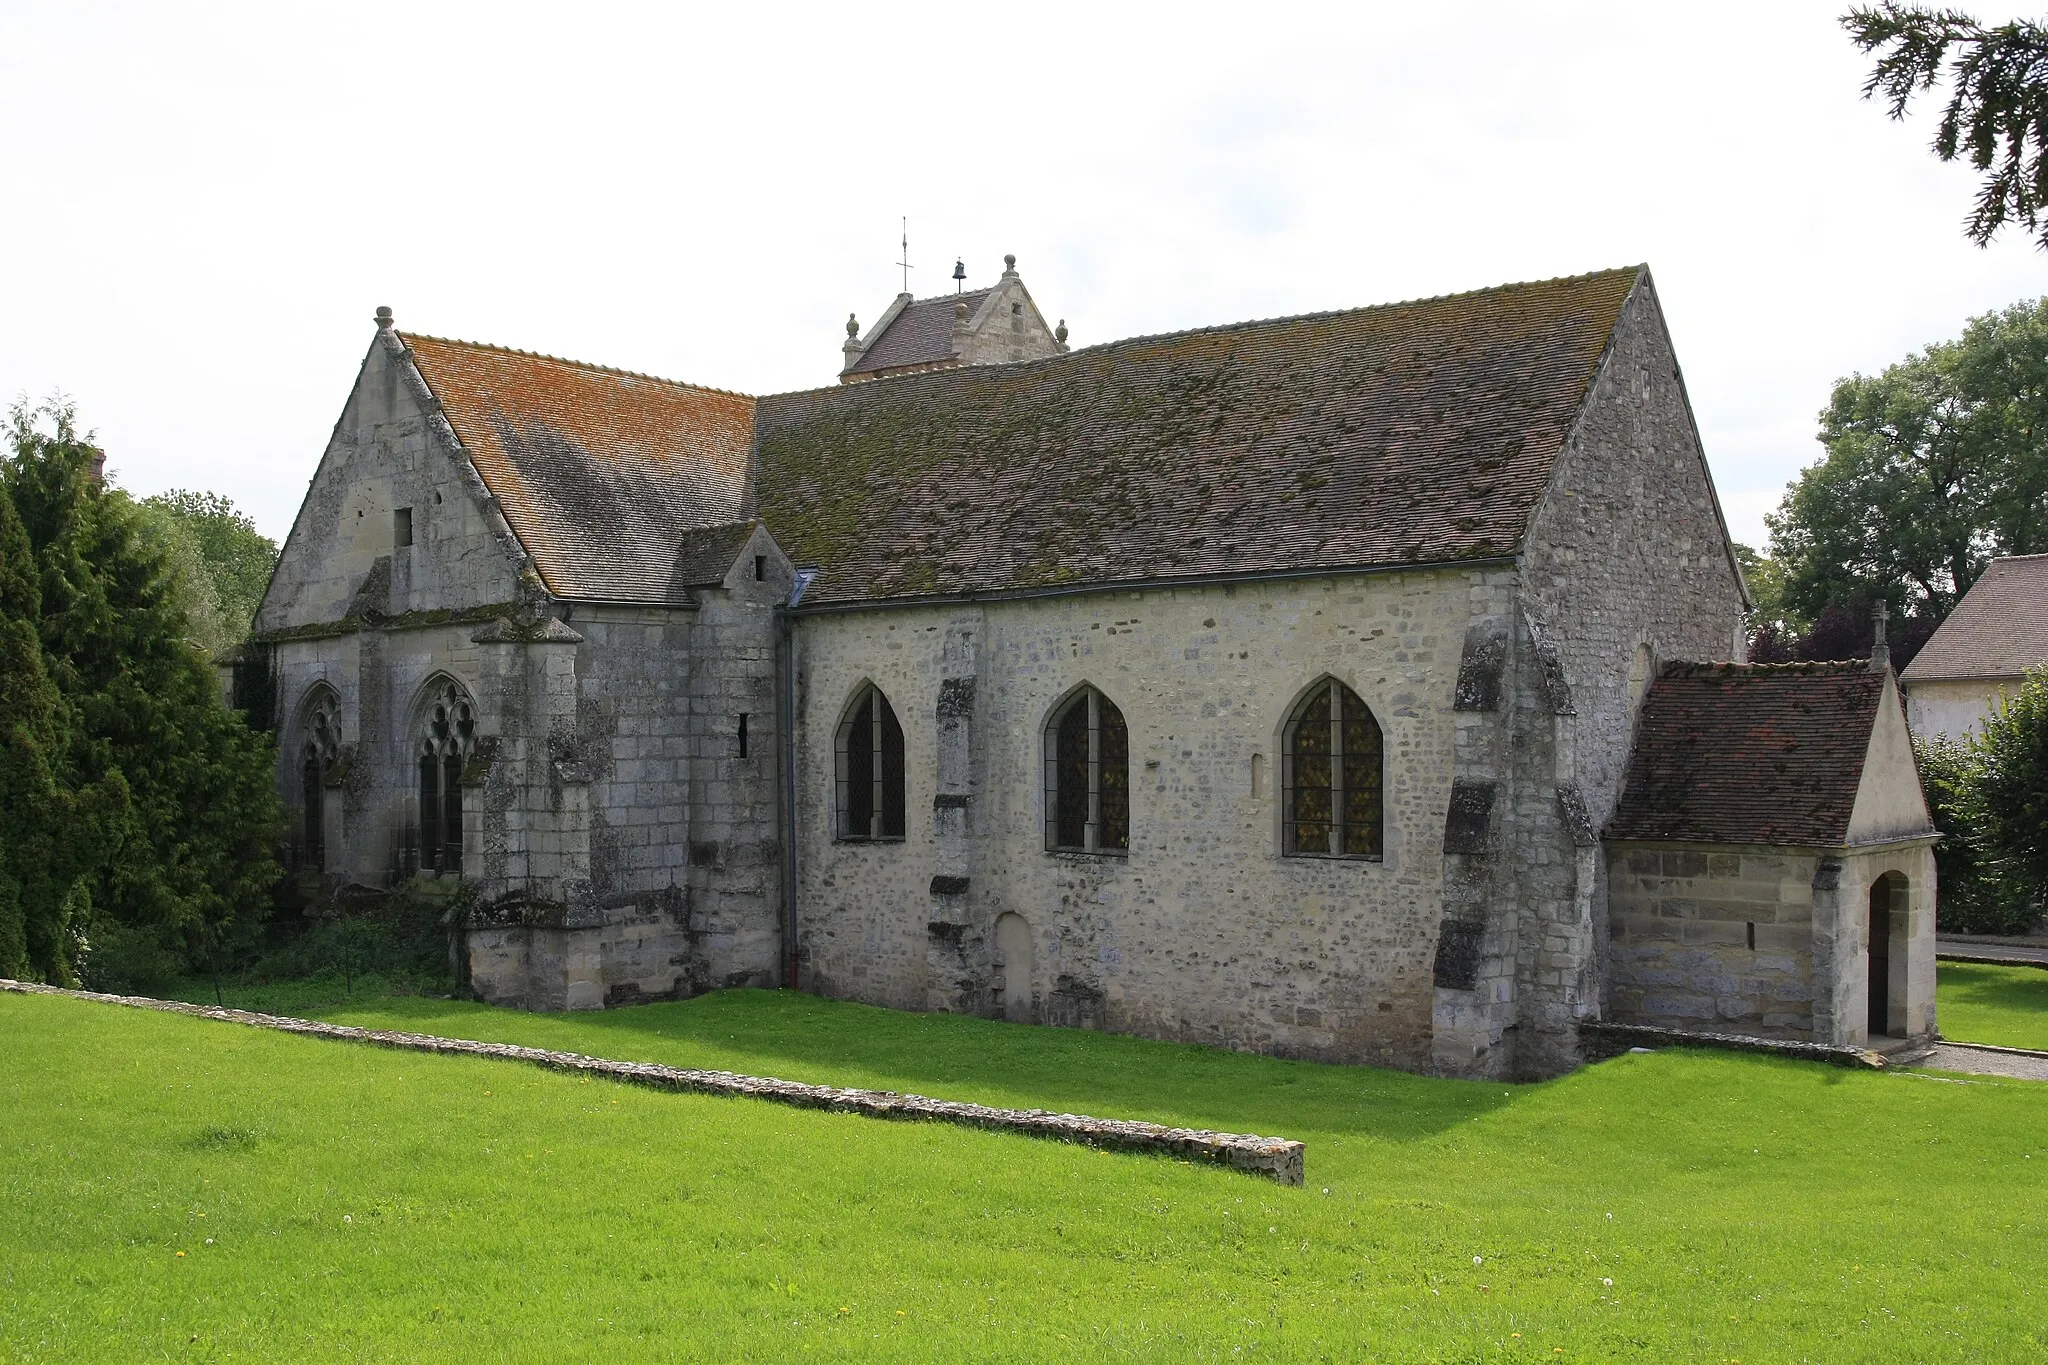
(447, 739)
(1333, 801)
(870, 769)
(319, 747)
(1088, 776)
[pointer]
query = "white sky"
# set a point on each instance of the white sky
(204, 204)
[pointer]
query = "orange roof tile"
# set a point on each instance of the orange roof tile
(598, 471)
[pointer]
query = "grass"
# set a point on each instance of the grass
(2004, 1006)
(372, 1205)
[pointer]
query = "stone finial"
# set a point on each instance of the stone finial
(960, 315)
(1059, 333)
(384, 323)
(1009, 267)
(852, 327)
(1880, 652)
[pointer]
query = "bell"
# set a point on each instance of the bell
(959, 270)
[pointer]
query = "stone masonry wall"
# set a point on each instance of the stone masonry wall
(1713, 938)
(391, 450)
(1204, 932)
(1627, 550)
(1772, 942)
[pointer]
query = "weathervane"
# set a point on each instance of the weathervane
(905, 262)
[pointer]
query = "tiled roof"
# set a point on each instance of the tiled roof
(1998, 630)
(1409, 433)
(599, 472)
(706, 556)
(1749, 753)
(922, 334)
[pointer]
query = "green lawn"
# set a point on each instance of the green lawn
(2005, 1006)
(372, 1205)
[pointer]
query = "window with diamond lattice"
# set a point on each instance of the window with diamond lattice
(447, 739)
(1333, 801)
(319, 746)
(1088, 777)
(870, 799)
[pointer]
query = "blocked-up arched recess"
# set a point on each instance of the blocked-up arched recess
(1333, 777)
(1087, 775)
(444, 739)
(869, 766)
(316, 747)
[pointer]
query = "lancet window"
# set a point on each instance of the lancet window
(1333, 801)
(1088, 776)
(870, 769)
(319, 748)
(446, 741)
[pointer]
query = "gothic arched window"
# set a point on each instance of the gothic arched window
(319, 746)
(1333, 795)
(1087, 776)
(870, 769)
(447, 738)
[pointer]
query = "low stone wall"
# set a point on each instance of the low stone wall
(1279, 1158)
(1599, 1041)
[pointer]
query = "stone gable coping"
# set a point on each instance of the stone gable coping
(1278, 1158)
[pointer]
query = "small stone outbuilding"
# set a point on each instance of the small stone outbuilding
(1770, 864)
(1983, 651)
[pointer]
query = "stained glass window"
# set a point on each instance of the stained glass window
(1333, 799)
(871, 769)
(1088, 776)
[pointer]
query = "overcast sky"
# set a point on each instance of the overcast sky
(205, 203)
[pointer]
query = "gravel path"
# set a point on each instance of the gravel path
(1984, 1061)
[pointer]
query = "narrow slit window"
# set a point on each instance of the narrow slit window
(1088, 777)
(870, 769)
(743, 734)
(1333, 805)
(760, 568)
(401, 527)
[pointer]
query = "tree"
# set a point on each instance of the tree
(38, 855)
(1997, 112)
(222, 561)
(1931, 468)
(182, 854)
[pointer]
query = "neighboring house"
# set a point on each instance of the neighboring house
(1996, 634)
(1771, 868)
(1264, 685)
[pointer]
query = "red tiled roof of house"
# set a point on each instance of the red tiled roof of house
(1419, 432)
(922, 334)
(1998, 630)
(1749, 754)
(599, 472)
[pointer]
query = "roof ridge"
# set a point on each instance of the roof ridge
(577, 364)
(1689, 668)
(941, 298)
(1219, 327)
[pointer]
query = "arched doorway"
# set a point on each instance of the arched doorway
(1013, 966)
(1887, 915)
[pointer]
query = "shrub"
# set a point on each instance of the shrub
(2011, 780)
(1966, 901)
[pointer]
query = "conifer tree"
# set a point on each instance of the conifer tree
(183, 812)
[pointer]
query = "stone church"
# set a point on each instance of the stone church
(1338, 686)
